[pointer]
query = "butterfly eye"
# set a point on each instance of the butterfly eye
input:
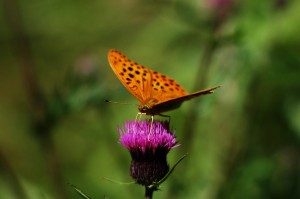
(144, 108)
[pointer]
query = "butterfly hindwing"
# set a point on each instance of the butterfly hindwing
(176, 102)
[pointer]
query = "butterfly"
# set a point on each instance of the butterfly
(156, 92)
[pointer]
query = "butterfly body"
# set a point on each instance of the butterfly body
(156, 92)
(152, 108)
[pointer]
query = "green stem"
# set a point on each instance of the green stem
(149, 192)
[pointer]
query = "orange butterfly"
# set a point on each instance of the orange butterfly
(156, 92)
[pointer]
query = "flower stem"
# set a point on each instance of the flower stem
(149, 192)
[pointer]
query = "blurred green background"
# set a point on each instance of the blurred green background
(55, 128)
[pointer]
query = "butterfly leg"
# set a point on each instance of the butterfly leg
(150, 131)
(139, 116)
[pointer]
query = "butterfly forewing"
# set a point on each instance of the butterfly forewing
(165, 88)
(143, 83)
(136, 78)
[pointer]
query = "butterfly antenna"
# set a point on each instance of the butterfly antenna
(123, 103)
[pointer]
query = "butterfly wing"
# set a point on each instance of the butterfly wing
(176, 102)
(135, 77)
(156, 92)
(142, 82)
(165, 88)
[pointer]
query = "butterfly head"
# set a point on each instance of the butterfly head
(147, 106)
(144, 108)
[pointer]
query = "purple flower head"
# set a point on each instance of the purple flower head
(148, 144)
(136, 136)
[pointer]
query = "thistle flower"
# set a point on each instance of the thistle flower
(148, 144)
